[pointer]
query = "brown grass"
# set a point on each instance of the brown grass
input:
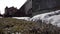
(26, 27)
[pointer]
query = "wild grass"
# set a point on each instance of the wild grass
(26, 27)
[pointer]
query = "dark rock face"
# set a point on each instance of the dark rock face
(24, 11)
(9, 12)
(33, 7)
(1, 15)
(44, 6)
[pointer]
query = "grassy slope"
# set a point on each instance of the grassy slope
(26, 27)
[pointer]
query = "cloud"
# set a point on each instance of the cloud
(9, 3)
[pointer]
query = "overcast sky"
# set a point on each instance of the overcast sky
(9, 3)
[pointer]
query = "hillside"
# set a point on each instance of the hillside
(9, 26)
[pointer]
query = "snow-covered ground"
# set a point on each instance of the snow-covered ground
(23, 18)
(55, 20)
(51, 17)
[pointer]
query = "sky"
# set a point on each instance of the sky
(10, 3)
